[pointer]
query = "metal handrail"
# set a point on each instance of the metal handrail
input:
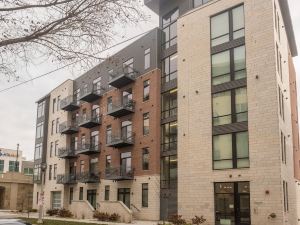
(66, 152)
(89, 175)
(127, 104)
(68, 100)
(116, 172)
(90, 89)
(120, 136)
(88, 147)
(90, 118)
(68, 124)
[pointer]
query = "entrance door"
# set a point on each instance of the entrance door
(2, 197)
(124, 196)
(92, 197)
(232, 203)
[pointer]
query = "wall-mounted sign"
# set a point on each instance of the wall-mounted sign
(6, 154)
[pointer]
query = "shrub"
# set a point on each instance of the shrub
(177, 220)
(101, 216)
(33, 210)
(52, 212)
(65, 213)
(198, 220)
(114, 217)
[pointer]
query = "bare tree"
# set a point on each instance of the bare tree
(65, 31)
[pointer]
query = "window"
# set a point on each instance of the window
(279, 62)
(285, 196)
(38, 151)
(81, 167)
(56, 200)
(50, 172)
(52, 127)
(169, 104)
(51, 149)
(95, 140)
(126, 130)
(109, 104)
(108, 161)
(37, 172)
(53, 105)
(229, 65)
(27, 171)
(145, 159)
(77, 96)
(232, 203)
(106, 194)
(1, 166)
(283, 148)
(71, 195)
(13, 166)
(169, 25)
(83, 140)
(169, 68)
(37, 198)
(145, 193)
(146, 93)
(97, 85)
(146, 123)
(231, 151)
(228, 26)
(81, 193)
(58, 103)
(108, 134)
(56, 148)
(41, 109)
(281, 103)
(128, 66)
(169, 172)
(57, 126)
(230, 107)
(169, 136)
(54, 171)
(200, 2)
(147, 58)
(40, 130)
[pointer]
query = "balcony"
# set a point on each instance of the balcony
(90, 121)
(121, 109)
(66, 153)
(89, 177)
(121, 140)
(122, 79)
(69, 104)
(66, 179)
(91, 93)
(68, 127)
(88, 149)
(119, 173)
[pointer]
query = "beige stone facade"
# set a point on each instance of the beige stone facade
(266, 173)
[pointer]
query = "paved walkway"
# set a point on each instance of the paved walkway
(11, 215)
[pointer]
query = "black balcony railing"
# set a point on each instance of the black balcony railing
(123, 139)
(69, 103)
(121, 108)
(66, 179)
(88, 149)
(90, 121)
(89, 177)
(123, 78)
(91, 93)
(119, 173)
(66, 153)
(69, 127)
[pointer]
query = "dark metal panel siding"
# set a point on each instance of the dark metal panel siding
(135, 50)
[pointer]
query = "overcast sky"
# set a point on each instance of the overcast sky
(18, 108)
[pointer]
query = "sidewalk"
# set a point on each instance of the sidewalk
(10, 215)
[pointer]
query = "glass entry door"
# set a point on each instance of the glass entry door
(126, 167)
(124, 196)
(232, 203)
(92, 197)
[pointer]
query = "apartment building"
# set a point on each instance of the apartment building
(197, 117)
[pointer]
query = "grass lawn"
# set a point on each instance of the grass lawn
(55, 222)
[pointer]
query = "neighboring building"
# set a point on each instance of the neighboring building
(13, 161)
(223, 71)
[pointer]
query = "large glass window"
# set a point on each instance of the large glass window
(145, 193)
(41, 109)
(229, 65)
(169, 69)
(232, 203)
(146, 123)
(230, 107)
(227, 26)
(169, 172)
(231, 151)
(56, 200)
(128, 66)
(26, 171)
(146, 92)
(147, 58)
(169, 136)
(13, 166)
(40, 130)
(38, 151)
(169, 104)
(169, 25)
(37, 172)
(200, 2)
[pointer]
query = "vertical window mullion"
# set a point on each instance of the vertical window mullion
(234, 151)
(232, 64)
(230, 25)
